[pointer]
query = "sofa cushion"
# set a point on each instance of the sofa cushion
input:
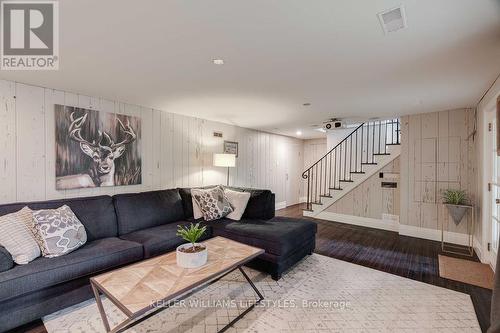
(138, 211)
(97, 214)
(93, 257)
(6, 261)
(161, 239)
(279, 236)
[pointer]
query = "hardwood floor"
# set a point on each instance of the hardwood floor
(390, 252)
(386, 251)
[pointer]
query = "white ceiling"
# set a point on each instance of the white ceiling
(278, 55)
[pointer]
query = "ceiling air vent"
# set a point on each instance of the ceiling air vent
(393, 19)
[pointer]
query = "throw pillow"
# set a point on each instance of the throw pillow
(238, 201)
(6, 261)
(17, 238)
(197, 214)
(58, 231)
(212, 202)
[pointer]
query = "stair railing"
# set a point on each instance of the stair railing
(348, 157)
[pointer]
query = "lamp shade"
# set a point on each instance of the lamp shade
(225, 160)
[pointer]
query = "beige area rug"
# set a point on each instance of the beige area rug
(320, 294)
(466, 271)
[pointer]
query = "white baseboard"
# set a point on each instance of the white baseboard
(361, 221)
(280, 205)
(302, 199)
(478, 248)
(433, 234)
(402, 229)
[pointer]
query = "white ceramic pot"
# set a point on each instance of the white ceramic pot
(191, 260)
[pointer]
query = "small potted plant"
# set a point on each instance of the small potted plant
(192, 254)
(456, 202)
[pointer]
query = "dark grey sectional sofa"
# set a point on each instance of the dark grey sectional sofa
(127, 228)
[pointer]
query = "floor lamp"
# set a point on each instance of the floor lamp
(225, 160)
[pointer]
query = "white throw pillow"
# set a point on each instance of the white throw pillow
(16, 236)
(58, 231)
(238, 201)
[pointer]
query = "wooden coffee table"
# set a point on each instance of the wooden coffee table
(143, 289)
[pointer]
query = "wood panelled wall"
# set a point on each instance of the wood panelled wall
(369, 199)
(176, 150)
(436, 154)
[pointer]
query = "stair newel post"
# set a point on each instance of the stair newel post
(356, 154)
(397, 131)
(385, 138)
(330, 175)
(335, 171)
(345, 160)
(373, 142)
(316, 184)
(379, 136)
(320, 178)
(361, 148)
(326, 176)
(367, 141)
(308, 204)
(350, 156)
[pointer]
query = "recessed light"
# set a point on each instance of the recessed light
(299, 133)
(218, 61)
(306, 104)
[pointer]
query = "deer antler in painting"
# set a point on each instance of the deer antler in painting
(75, 130)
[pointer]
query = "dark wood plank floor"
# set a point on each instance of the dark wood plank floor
(386, 251)
(390, 252)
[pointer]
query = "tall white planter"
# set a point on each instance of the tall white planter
(191, 260)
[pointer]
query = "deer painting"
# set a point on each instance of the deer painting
(101, 146)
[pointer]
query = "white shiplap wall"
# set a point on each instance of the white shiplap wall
(176, 150)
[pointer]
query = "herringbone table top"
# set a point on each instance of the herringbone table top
(136, 287)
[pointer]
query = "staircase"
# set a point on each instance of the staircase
(366, 150)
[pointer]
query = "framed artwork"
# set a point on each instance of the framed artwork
(96, 149)
(231, 147)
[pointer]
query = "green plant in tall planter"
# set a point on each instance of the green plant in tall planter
(457, 203)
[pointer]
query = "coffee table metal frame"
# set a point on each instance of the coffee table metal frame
(138, 317)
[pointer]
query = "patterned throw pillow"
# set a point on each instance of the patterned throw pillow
(16, 236)
(58, 231)
(212, 202)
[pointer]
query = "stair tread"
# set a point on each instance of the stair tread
(381, 154)
(336, 188)
(358, 172)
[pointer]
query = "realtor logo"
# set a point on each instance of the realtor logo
(30, 35)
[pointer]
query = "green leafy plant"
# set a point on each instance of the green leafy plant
(454, 197)
(191, 233)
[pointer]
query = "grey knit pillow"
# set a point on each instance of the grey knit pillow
(213, 203)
